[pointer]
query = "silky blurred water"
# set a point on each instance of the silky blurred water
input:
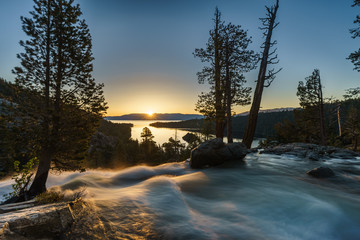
(268, 197)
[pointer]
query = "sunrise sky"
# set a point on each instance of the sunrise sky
(143, 48)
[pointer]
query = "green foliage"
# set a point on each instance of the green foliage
(55, 195)
(109, 146)
(352, 93)
(264, 128)
(352, 126)
(22, 178)
(146, 135)
(303, 129)
(354, 57)
(173, 149)
(119, 130)
(49, 197)
(309, 93)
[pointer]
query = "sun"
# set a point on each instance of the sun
(150, 113)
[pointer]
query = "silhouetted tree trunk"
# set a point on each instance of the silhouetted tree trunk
(269, 25)
(219, 112)
(321, 113)
(228, 104)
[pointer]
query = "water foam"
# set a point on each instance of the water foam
(269, 197)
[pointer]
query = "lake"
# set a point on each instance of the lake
(162, 135)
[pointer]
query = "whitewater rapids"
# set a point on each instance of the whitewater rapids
(268, 197)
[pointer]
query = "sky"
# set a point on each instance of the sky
(143, 48)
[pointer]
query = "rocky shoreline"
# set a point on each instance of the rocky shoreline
(310, 151)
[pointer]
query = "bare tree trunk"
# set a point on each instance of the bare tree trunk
(228, 105)
(322, 118)
(339, 121)
(254, 111)
(219, 112)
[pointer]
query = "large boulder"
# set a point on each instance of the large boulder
(216, 152)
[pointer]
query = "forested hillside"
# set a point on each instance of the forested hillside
(265, 126)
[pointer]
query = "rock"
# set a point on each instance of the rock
(313, 156)
(344, 154)
(216, 152)
(46, 221)
(321, 172)
(50, 221)
(238, 150)
(311, 151)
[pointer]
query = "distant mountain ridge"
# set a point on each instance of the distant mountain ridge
(269, 111)
(156, 116)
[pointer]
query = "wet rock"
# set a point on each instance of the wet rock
(46, 221)
(321, 172)
(216, 152)
(313, 156)
(50, 221)
(311, 151)
(344, 154)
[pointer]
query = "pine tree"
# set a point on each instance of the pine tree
(57, 65)
(212, 74)
(237, 59)
(355, 56)
(229, 58)
(265, 76)
(311, 100)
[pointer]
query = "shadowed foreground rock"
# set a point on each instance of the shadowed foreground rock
(321, 172)
(74, 220)
(216, 152)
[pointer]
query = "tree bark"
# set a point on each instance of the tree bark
(254, 111)
(219, 112)
(228, 104)
(39, 184)
(322, 118)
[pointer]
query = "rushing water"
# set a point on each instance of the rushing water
(268, 197)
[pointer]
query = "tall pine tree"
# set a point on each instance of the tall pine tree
(57, 65)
